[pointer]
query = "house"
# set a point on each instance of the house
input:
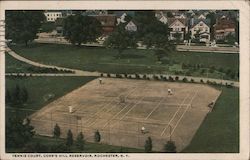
(131, 26)
(223, 27)
(163, 19)
(51, 16)
(200, 29)
(177, 26)
(108, 23)
(121, 19)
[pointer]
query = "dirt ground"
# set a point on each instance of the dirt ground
(119, 108)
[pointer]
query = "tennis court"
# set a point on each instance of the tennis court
(119, 108)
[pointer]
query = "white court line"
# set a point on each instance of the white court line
(108, 103)
(116, 115)
(157, 106)
(174, 114)
(91, 124)
(184, 113)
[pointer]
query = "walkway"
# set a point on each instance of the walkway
(87, 73)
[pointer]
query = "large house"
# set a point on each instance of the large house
(223, 27)
(108, 23)
(178, 28)
(200, 29)
(51, 16)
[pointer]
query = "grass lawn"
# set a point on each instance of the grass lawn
(88, 148)
(40, 87)
(131, 61)
(220, 130)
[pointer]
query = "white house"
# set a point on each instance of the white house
(51, 16)
(201, 16)
(201, 28)
(131, 26)
(177, 26)
(163, 19)
(121, 19)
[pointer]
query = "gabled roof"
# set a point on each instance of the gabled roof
(106, 20)
(194, 22)
(171, 21)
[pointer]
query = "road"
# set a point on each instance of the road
(87, 73)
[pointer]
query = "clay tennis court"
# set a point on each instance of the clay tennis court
(119, 108)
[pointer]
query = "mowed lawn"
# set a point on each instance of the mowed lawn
(220, 130)
(41, 88)
(131, 61)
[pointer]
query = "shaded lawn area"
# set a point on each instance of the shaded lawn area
(39, 88)
(220, 130)
(131, 61)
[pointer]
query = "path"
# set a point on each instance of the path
(87, 73)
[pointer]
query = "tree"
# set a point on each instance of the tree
(230, 39)
(212, 18)
(121, 39)
(7, 96)
(148, 145)
(69, 140)
(80, 29)
(23, 26)
(57, 131)
(97, 136)
(80, 141)
(177, 37)
(18, 133)
(170, 147)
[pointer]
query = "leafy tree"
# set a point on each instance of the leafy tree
(23, 26)
(18, 133)
(57, 131)
(7, 96)
(230, 39)
(212, 18)
(80, 141)
(69, 140)
(121, 39)
(97, 136)
(148, 145)
(80, 29)
(170, 147)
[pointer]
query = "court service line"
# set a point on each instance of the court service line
(184, 113)
(157, 106)
(108, 103)
(91, 124)
(116, 115)
(174, 114)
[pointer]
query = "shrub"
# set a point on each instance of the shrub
(101, 74)
(69, 140)
(137, 76)
(80, 141)
(57, 131)
(144, 76)
(108, 75)
(201, 81)
(176, 78)
(125, 75)
(192, 80)
(97, 136)
(184, 79)
(155, 77)
(170, 147)
(208, 82)
(148, 145)
(171, 79)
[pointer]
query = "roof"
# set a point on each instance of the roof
(196, 21)
(224, 23)
(106, 20)
(120, 13)
(172, 20)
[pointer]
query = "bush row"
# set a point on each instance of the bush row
(162, 78)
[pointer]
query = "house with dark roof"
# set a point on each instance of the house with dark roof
(223, 27)
(177, 26)
(200, 29)
(108, 23)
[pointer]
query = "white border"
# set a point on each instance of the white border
(133, 5)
